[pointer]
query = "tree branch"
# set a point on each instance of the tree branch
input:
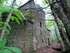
(7, 21)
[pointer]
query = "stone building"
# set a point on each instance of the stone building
(30, 36)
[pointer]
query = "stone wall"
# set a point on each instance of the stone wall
(28, 36)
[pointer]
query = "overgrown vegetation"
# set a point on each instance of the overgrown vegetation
(8, 13)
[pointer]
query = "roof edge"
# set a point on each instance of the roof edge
(25, 4)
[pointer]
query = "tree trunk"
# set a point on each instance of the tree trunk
(59, 9)
(62, 31)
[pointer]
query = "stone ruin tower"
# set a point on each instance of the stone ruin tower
(30, 36)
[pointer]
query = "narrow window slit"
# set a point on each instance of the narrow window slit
(40, 24)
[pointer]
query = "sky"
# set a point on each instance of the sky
(24, 1)
(21, 2)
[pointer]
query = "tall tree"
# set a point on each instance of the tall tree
(62, 31)
(58, 8)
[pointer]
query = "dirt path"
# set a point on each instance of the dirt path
(50, 49)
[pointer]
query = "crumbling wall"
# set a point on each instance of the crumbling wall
(29, 36)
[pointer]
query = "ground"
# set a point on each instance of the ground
(53, 48)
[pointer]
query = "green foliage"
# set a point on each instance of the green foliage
(13, 49)
(7, 31)
(3, 42)
(16, 15)
(7, 26)
(45, 1)
(27, 13)
(7, 49)
(7, 9)
(1, 28)
(2, 6)
(54, 39)
(1, 22)
(49, 23)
